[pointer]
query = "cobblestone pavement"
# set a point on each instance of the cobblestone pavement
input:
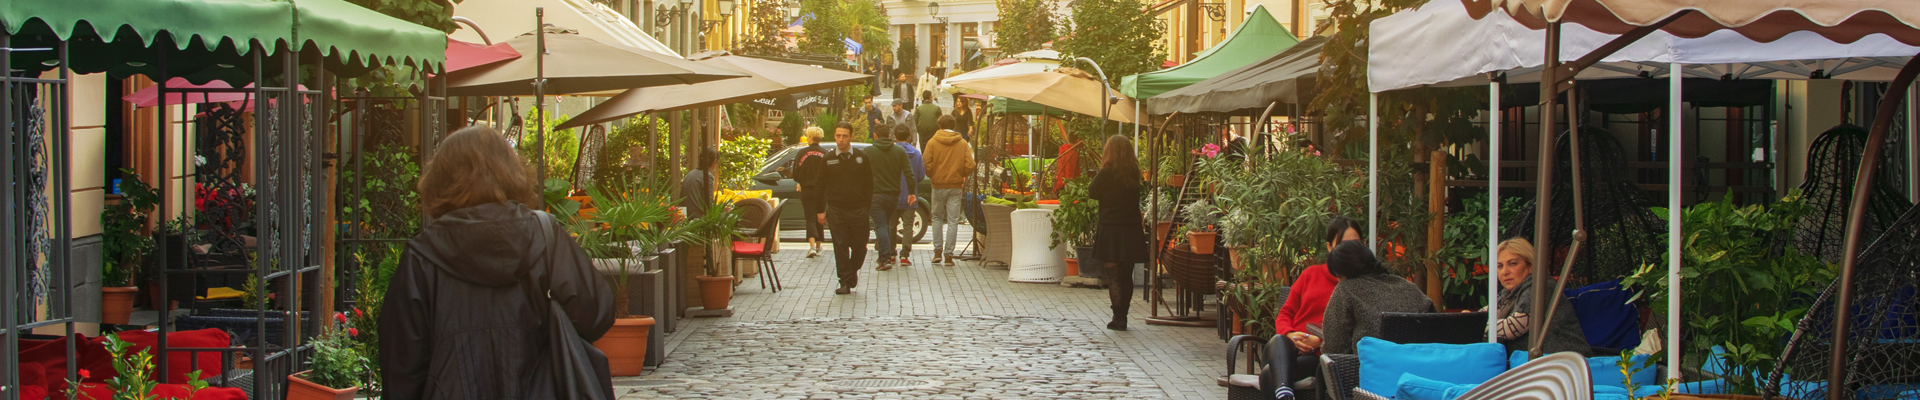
(951, 332)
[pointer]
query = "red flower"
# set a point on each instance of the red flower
(342, 317)
(84, 374)
(355, 332)
(358, 314)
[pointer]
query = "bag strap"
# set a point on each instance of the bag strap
(537, 290)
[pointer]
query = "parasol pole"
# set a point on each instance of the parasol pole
(540, 94)
(1493, 208)
(1106, 94)
(1675, 119)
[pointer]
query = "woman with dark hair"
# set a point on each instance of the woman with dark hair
(1294, 349)
(1366, 289)
(696, 189)
(469, 283)
(1121, 238)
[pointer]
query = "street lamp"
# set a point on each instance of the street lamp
(933, 10)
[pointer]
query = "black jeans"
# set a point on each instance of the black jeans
(815, 229)
(1285, 365)
(849, 226)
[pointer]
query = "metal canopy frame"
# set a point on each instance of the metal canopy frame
(19, 249)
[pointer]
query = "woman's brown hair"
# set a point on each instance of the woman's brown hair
(1119, 158)
(474, 166)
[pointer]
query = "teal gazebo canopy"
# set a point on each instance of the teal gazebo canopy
(1257, 39)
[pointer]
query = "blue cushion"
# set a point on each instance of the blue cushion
(1605, 317)
(1606, 371)
(1518, 357)
(1382, 362)
(1413, 387)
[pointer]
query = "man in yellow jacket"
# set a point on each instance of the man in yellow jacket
(949, 161)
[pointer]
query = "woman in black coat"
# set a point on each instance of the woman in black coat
(459, 320)
(1121, 239)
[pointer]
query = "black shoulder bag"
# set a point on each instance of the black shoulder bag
(580, 371)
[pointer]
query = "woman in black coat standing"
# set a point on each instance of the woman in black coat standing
(1121, 239)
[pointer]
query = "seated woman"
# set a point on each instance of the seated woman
(1366, 289)
(1516, 300)
(1293, 354)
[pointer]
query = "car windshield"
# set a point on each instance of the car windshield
(773, 162)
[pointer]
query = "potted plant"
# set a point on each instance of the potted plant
(628, 222)
(1174, 167)
(337, 368)
(1236, 228)
(1201, 219)
(1159, 207)
(716, 287)
(1075, 221)
(124, 246)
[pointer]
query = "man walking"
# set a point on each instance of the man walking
(900, 117)
(874, 116)
(849, 185)
(926, 118)
(889, 165)
(949, 163)
(903, 230)
(903, 90)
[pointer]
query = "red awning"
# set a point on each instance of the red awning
(463, 55)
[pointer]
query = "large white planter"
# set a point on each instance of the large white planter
(1033, 262)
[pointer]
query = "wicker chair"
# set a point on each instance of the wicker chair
(999, 235)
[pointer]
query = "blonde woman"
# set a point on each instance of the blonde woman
(1516, 300)
(808, 168)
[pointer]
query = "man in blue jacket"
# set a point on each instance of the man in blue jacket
(903, 230)
(890, 167)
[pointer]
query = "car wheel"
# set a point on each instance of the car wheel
(922, 217)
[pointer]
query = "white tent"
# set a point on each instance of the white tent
(1440, 44)
(1024, 67)
(504, 19)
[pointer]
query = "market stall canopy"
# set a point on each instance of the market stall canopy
(1839, 21)
(1064, 88)
(765, 78)
(211, 39)
(592, 19)
(1043, 54)
(1002, 105)
(999, 70)
(1442, 44)
(463, 55)
(150, 96)
(577, 64)
(1285, 78)
(1260, 37)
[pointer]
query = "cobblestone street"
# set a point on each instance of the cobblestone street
(926, 331)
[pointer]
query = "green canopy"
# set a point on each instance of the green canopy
(1004, 105)
(1257, 39)
(211, 39)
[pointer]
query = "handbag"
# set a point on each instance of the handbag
(580, 371)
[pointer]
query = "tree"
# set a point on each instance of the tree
(1118, 34)
(826, 24)
(1025, 25)
(436, 14)
(909, 54)
(765, 20)
(869, 24)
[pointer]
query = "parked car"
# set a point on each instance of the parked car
(773, 176)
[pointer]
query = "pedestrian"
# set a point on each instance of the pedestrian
(926, 118)
(1365, 291)
(949, 162)
(809, 168)
(481, 238)
(1120, 240)
(697, 187)
(910, 184)
(899, 116)
(849, 187)
(889, 164)
(874, 115)
(963, 118)
(903, 90)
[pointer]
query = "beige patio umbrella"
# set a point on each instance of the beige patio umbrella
(766, 78)
(1064, 88)
(1842, 21)
(578, 64)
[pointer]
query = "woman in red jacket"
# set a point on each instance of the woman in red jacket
(1294, 350)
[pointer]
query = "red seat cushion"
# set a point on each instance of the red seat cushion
(749, 249)
(52, 356)
(179, 392)
(178, 361)
(32, 374)
(33, 392)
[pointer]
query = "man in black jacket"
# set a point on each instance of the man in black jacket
(849, 185)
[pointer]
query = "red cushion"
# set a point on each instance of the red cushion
(173, 391)
(32, 374)
(178, 363)
(32, 392)
(748, 249)
(52, 354)
(89, 391)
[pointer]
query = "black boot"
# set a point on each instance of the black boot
(1119, 322)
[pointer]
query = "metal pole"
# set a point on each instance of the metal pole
(540, 95)
(1373, 170)
(1543, 189)
(1106, 92)
(1857, 218)
(1493, 210)
(1675, 117)
(1913, 145)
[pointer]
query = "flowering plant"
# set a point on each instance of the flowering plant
(336, 362)
(1210, 150)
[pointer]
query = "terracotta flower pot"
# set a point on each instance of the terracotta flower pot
(1176, 180)
(1202, 241)
(1160, 230)
(715, 291)
(1073, 266)
(301, 389)
(626, 345)
(1233, 254)
(116, 304)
